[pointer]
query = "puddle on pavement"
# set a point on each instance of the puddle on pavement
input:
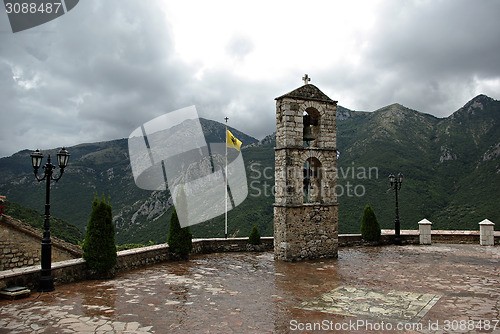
(250, 292)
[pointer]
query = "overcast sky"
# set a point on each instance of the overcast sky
(106, 67)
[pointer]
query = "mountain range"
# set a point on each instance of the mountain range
(451, 170)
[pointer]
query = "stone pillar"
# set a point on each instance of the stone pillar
(424, 227)
(486, 233)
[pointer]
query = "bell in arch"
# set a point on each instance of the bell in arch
(307, 134)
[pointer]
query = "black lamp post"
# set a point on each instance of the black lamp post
(46, 282)
(396, 185)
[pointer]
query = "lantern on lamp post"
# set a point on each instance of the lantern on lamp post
(396, 182)
(46, 282)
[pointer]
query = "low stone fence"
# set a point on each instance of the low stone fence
(76, 270)
(411, 237)
(218, 245)
(140, 257)
(387, 238)
(63, 272)
(456, 237)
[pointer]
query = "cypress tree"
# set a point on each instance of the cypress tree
(370, 228)
(99, 249)
(254, 238)
(180, 239)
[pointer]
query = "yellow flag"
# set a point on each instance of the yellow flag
(232, 141)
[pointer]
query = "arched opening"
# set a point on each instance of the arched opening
(312, 180)
(310, 121)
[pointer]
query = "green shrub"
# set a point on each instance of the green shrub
(370, 228)
(132, 246)
(254, 238)
(179, 239)
(99, 250)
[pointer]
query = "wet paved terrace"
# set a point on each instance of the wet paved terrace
(442, 288)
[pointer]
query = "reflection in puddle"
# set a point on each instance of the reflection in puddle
(100, 299)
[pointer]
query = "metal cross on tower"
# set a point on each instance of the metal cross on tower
(306, 79)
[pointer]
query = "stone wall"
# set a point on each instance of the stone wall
(76, 269)
(20, 245)
(305, 232)
(219, 245)
(289, 175)
(291, 155)
(355, 240)
(289, 122)
(455, 237)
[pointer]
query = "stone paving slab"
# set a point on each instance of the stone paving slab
(392, 305)
(252, 293)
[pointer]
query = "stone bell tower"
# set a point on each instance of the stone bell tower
(305, 208)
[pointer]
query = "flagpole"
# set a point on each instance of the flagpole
(225, 189)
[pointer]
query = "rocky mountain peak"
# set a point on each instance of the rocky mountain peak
(393, 109)
(269, 139)
(474, 106)
(394, 113)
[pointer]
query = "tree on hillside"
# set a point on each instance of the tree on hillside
(99, 249)
(370, 228)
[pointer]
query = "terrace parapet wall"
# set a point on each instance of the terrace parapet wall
(76, 269)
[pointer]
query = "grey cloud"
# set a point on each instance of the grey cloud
(240, 46)
(106, 67)
(438, 36)
(249, 105)
(102, 71)
(427, 56)
(41, 56)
